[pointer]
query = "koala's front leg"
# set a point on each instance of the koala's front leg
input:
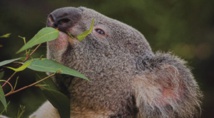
(45, 111)
(48, 111)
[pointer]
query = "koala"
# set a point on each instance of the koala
(127, 79)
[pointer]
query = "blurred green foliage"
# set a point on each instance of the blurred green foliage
(184, 27)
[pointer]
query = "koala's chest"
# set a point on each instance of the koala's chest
(111, 97)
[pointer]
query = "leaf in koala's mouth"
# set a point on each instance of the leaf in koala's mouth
(82, 36)
(87, 32)
(48, 34)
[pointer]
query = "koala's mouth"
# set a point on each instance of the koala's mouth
(67, 37)
(64, 35)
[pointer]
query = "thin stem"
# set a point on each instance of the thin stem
(7, 81)
(28, 56)
(25, 87)
(16, 83)
(11, 86)
(35, 49)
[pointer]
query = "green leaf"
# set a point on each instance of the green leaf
(2, 97)
(59, 101)
(1, 75)
(46, 65)
(5, 35)
(44, 35)
(5, 62)
(87, 32)
(21, 68)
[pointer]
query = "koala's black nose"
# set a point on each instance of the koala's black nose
(64, 18)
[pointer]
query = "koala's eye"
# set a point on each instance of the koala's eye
(100, 31)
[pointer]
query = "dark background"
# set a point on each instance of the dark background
(183, 27)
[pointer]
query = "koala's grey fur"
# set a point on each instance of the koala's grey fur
(127, 80)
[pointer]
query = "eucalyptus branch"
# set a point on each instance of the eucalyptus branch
(27, 57)
(28, 86)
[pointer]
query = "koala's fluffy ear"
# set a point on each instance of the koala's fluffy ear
(166, 89)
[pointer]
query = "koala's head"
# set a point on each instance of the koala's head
(110, 39)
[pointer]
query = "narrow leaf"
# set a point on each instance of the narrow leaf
(87, 32)
(20, 111)
(5, 62)
(2, 97)
(23, 38)
(44, 35)
(46, 65)
(59, 101)
(21, 68)
(1, 75)
(5, 35)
